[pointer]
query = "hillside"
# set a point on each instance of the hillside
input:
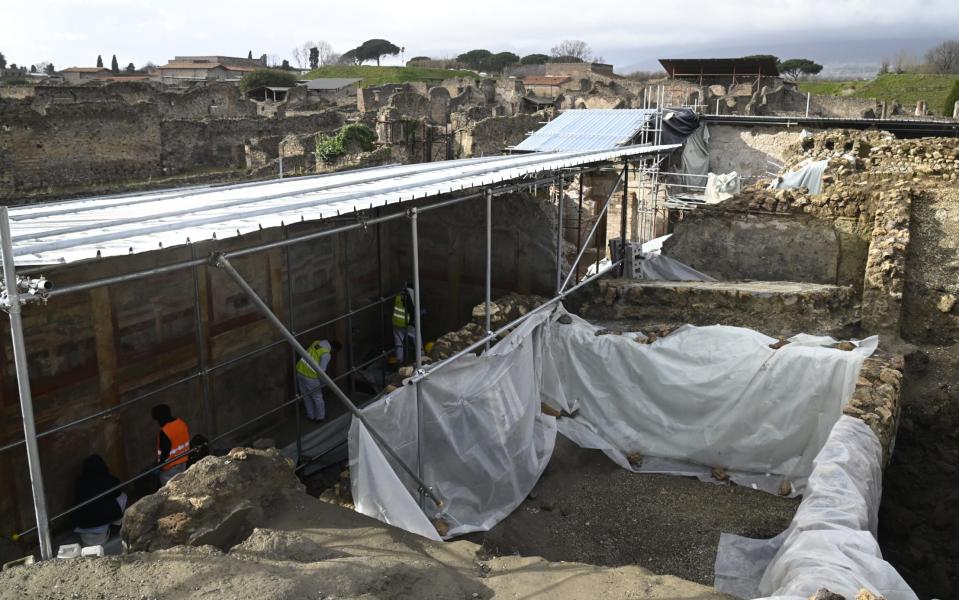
(939, 91)
(380, 75)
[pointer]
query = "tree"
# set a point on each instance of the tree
(49, 69)
(249, 55)
(285, 65)
(534, 59)
(475, 59)
(349, 58)
(131, 68)
(501, 60)
(572, 48)
(114, 65)
(314, 60)
(944, 58)
(301, 54)
(795, 68)
(267, 77)
(3, 61)
(375, 49)
(33, 68)
(325, 53)
(99, 61)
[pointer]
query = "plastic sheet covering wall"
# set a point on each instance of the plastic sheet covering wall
(831, 541)
(484, 445)
(701, 397)
(659, 267)
(808, 176)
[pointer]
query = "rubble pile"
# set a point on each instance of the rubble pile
(216, 502)
(502, 311)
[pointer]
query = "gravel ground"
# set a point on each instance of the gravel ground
(587, 509)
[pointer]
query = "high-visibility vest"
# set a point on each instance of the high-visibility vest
(179, 435)
(316, 350)
(401, 318)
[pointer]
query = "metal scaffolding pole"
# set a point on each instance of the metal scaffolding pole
(297, 423)
(418, 343)
(489, 258)
(592, 232)
(559, 235)
(201, 348)
(23, 384)
(579, 220)
(222, 262)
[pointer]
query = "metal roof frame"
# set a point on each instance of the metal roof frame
(70, 231)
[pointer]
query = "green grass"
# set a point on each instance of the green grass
(904, 88)
(381, 75)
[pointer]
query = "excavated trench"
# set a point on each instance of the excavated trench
(587, 509)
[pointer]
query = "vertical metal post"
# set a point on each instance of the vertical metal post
(292, 326)
(419, 348)
(489, 258)
(202, 351)
(625, 206)
(559, 235)
(23, 385)
(579, 222)
(350, 355)
(279, 154)
(379, 287)
(808, 98)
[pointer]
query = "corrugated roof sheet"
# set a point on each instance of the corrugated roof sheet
(330, 83)
(74, 230)
(595, 129)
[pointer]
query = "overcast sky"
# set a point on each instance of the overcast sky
(628, 33)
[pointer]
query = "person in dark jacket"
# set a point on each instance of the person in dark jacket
(93, 520)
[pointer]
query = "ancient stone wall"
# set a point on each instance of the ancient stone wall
(747, 150)
(490, 136)
(66, 147)
(774, 308)
(886, 264)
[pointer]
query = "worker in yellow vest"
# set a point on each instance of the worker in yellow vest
(173, 443)
(308, 381)
(404, 327)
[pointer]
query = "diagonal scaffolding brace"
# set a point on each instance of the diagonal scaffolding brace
(222, 262)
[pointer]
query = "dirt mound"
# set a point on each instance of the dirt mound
(217, 502)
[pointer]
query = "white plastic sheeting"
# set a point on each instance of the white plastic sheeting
(702, 397)
(808, 176)
(484, 445)
(659, 267)
(721, 187)
(831, 541)
(699, 398)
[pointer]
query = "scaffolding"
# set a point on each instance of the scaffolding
(552, 170)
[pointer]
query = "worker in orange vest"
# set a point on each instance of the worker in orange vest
(173, 443)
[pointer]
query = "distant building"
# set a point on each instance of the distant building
(705, 71)
(186, 69)
(546, 86)
(580, 70)
(81, 74)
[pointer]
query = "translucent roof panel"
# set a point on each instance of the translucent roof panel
(598, 129)
(72, 230)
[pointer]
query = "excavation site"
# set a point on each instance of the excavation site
(646, 353)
